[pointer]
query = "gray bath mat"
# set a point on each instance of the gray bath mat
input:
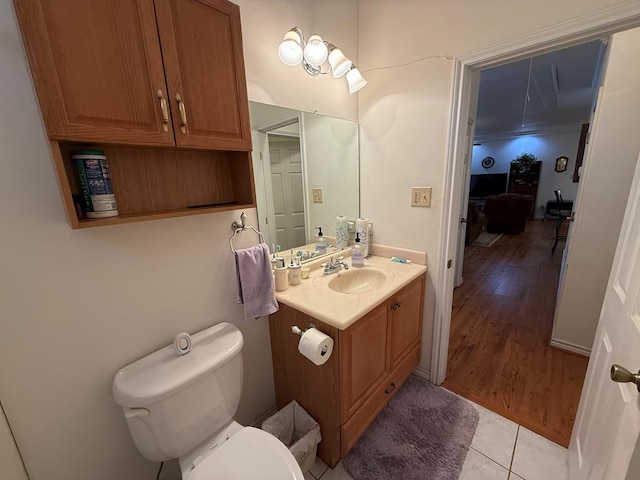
(422, 434)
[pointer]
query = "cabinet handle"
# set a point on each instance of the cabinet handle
(395, 306)
(183, 114)
(390, 390)
(165, 111)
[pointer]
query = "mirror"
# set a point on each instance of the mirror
(306, 172)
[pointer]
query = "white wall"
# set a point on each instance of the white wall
(330, 146)
(547, 148)
(77, 305)
(11, 467)
(610, 162)
(405, 51)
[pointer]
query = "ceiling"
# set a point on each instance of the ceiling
(562, 86)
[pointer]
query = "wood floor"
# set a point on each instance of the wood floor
(499, 353)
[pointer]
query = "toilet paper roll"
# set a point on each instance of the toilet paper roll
(362, 229)
(342, 231)
(316, 346)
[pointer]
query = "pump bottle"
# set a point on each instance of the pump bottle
(357, 253)
(321, 244)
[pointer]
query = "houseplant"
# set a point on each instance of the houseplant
(525, 161)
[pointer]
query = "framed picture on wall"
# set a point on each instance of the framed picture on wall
(561, 164)
(487, 162)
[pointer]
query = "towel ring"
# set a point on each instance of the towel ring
(240, 226)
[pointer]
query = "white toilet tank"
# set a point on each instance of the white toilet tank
(172, 402)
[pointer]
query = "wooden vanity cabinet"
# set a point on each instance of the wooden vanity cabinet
(371, 359)
(151, 83)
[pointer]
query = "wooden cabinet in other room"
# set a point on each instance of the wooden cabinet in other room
(371, 360)
(159, 86)
(525, 180)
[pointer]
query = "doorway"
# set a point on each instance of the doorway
(465, 68)
(502, 315)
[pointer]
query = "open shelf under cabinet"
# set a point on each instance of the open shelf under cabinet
(153, 183)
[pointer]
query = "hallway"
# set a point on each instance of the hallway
(502, 316)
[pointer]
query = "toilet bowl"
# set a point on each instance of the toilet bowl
(182, 406)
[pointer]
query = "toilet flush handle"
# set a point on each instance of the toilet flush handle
(135, 412)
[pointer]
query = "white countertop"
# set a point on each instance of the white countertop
(340, 310)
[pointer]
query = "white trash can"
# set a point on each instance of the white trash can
(294, 427)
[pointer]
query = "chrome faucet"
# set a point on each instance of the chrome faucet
(333, 267)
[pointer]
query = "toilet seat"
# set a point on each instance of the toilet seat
(249, 454)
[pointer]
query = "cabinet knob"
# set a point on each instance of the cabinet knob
(391, 388)
(165, 110)
(395, 306)
(183, 114)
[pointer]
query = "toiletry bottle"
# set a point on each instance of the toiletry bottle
(321, 244)
(295, 270)
(357, 255)
(281, 275)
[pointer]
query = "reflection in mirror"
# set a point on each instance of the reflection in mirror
(306, 169)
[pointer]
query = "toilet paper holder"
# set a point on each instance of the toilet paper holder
(298, 331)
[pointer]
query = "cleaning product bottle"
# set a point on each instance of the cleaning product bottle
(321, 244)
(357, 255)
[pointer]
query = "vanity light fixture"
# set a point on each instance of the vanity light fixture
(314, 54)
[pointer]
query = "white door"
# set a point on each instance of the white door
(464, 204)
(604, 443)
(288, 190)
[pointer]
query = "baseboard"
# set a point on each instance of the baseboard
(258, 422)
(421, 372)
(571, 347)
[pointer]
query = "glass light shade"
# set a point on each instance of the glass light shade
(339, 63)
(315, 51)
(355, 80)
(290, 50)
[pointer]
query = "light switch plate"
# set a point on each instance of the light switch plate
(420, 196)
(317, 195)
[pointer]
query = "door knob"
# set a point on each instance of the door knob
(622, 375)
(463, 220)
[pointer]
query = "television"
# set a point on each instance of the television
(485, 184)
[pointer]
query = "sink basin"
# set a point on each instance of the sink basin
(357, 281)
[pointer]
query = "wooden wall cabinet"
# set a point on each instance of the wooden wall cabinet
(166, 75)
(371, 360)
(525, 182)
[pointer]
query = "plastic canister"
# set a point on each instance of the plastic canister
(95, 181)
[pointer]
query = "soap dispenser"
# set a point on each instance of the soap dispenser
(321, 244)
(357, 253)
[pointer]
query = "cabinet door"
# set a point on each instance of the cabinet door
(363, 359)
(202, 50)
(405, 325)
(97, 68)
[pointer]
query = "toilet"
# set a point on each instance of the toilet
(181, 405)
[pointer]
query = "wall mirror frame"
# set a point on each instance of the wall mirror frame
(297, 154)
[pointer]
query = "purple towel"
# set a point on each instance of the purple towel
(255, 282)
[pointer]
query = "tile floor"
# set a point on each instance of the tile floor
(500, 450)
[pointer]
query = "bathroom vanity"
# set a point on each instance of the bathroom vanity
(374, 316)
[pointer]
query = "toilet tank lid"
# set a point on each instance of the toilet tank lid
(164, 372)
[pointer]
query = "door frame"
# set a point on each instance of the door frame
(264, 194)
(599, 24)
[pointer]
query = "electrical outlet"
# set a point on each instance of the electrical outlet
(421, 196)
(317, 195)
